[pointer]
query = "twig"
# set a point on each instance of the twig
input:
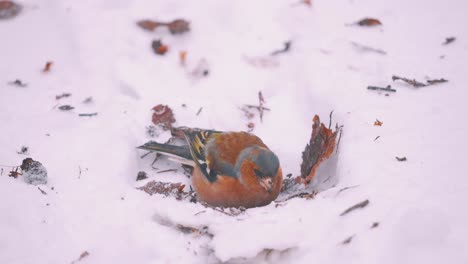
(300, 195)
(375, 224)
(66, 107)
(79, 172)
(347, 240)
(401, 159)
(386, 89)
(368, 48)
(18, 83)
(356, 206)
(261, 101)
(413, 82)
(63, 95)
(339, 137)
(286, 48)
(436, 81)
(330, 122)
(162, 171)
(377, 137)
(449, 40)
(346, 188)
(199, 111)
(201, 212)
(42, 191)
(257, 107)
(88, 114)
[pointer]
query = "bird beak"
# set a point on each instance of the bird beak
(266, 183)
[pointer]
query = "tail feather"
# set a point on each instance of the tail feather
(169, 150)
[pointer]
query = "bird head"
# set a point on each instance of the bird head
(260, 165)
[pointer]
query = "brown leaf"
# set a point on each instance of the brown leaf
(159, 48)
(178, 26)
(322, 143)
(369, 22)
(9, 9)
(14, 173)
(163, 116)
(378, 123)
(47, 67)
(149, 24)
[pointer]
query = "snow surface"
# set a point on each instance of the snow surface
(97, 50)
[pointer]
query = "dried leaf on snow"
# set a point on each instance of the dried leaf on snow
(323, 142)
(9, 9)
(158, 47)
(177, 26)
(163, 116)
(47, 67)
(378, 123)
(369, 22)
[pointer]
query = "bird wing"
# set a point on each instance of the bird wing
(197, 140)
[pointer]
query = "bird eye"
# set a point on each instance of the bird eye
(258, 173)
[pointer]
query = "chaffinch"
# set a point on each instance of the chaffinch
(231, 169)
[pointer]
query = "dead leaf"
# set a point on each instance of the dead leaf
(14, 173)
(163, 116)
(369, 22)
(47, 67)
(378, 123)
(321, 146)
(148, 24)
(159, 48)
(178, 26)
(9, 9)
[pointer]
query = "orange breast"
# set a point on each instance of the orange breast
(231, 192)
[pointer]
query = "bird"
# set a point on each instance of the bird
(231, 169)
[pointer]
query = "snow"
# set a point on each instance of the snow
(92, 203)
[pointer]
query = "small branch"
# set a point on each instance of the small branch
(300, 195)
(356, 206)
(42, 191)
(377, 137)
(88, 114)
(199, 111)
(449, 40)
(365, 48)
(18, 83)
(412, 82)
(162, 171)
(401, 159)
(436, 81)
(385, 89)
(286, 48)
(347, 240)
(330, 122)
(257, 107)
(346, 188)
(63, 95)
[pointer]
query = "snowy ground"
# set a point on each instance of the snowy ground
(97, 50)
